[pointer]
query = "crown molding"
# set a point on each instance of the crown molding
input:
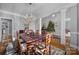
(11, 13)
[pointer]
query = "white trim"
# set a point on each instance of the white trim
(6, 17)
(74, 46)
(11, 13)
(40, 25)
(63, 16)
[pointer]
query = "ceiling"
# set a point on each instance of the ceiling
(38, 9)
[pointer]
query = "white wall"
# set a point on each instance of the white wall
(32, 25)
(78, 25)
(72, 14)
(37, 24)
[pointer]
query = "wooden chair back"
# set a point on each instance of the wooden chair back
(2, 48)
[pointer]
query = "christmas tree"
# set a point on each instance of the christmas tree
(51, 27)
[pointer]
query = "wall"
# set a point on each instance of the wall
(72, 25)
(37, 24)
(32, 25)
(78, 25)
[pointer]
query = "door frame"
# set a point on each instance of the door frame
(1, 26)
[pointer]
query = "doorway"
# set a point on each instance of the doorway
(6, 28)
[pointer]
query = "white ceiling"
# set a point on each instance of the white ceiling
(38, 9)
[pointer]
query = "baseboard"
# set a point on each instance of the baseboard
(74, 46)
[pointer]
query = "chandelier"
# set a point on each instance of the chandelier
(29, 17)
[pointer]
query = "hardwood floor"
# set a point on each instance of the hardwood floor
(56, 43)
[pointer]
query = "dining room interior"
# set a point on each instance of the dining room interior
(39, 29)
